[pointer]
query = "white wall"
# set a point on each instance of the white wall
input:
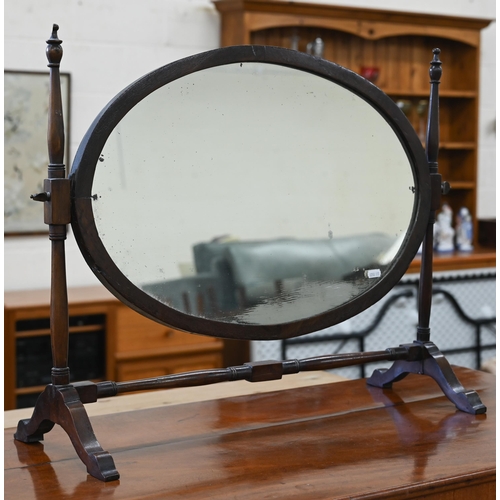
(108, 44)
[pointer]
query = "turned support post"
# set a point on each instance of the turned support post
(432, 150)
(57, 216)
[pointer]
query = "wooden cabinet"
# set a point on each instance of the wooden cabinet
(400, 46)
(108, 341)
(146, 349)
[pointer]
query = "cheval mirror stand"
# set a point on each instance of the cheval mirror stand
(317, 175)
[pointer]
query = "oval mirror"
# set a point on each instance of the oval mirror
(250, 192)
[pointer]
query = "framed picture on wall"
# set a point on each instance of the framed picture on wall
(26, 102)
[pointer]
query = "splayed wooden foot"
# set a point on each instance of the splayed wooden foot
(62, 405)
(427, 359)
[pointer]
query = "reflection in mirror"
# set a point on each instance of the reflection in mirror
(253, 193)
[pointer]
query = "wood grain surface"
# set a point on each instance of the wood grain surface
(341, 440)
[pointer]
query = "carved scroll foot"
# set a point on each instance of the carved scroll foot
(62, 405)
(434, 364)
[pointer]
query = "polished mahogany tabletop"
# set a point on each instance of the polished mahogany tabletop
(331, 441)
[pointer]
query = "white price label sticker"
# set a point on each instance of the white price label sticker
(373, 273)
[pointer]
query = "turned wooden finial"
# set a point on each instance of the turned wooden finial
(55, 134)
(54, 50)
(435, 71)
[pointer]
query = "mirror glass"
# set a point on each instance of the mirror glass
(253, 193)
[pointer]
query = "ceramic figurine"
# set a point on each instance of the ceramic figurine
(294, 41)
(405, 106)
(464, 230)
(444, 231)
(316, 48)
(370, 73)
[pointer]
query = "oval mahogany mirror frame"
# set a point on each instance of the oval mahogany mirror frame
(99, 260)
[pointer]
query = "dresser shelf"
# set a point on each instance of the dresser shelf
(400, 45)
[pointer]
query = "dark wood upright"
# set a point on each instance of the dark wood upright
(61, 403)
